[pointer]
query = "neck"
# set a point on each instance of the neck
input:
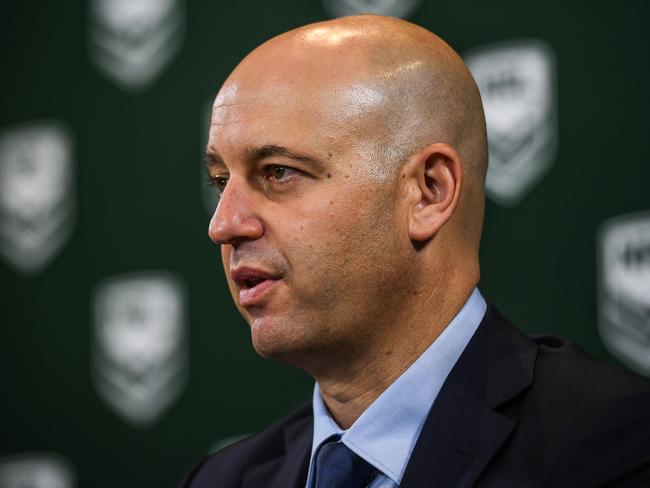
(354, 382)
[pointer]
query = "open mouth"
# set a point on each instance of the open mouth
(253, 283)
(246, 277)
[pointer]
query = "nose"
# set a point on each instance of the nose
(235, 219)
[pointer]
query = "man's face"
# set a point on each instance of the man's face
(309, 230)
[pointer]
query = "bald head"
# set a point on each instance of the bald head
(392, 78)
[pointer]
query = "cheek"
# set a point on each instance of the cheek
(345, 245)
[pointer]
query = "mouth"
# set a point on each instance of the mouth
(254, 284)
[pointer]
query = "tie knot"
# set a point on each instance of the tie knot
(337, 466)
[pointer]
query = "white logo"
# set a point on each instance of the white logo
(133, 41)
(37, 204)
(517, 84)
(624, 288)
(140, 361)
(394, 8)
(35, 470)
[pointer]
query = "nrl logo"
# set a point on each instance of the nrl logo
(394, 8)
(139, 357)
(517, 84)
(133, 41)
(35, 470)
(624, 288)
(37, 203)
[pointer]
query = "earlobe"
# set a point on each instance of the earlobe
(437, 172)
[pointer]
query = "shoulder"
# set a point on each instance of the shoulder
(226, 467)
(595, 416)
(562, 376)
(566, 373)
(581, 394)
(577, 421)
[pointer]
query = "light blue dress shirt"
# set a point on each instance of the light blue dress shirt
(386, 432)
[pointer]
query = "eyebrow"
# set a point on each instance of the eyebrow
(212, 159)
(269, 150)
(263, 152)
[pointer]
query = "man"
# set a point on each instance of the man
(351, 158)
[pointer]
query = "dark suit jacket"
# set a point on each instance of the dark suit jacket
(514, 412)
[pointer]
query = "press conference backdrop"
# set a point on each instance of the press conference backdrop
(124, 360)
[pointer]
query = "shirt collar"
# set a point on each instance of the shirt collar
(386, 433)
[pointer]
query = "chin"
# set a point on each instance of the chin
(277, 339)
(269, 336)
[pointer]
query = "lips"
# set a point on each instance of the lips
(254, 284)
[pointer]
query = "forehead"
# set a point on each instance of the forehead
(296, 105)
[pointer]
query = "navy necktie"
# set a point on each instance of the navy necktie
(338, 467)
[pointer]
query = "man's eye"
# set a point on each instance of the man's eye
(219, 182)
(277, 172)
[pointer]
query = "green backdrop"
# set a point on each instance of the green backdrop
(136, 187)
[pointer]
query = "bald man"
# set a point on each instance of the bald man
(350, 156)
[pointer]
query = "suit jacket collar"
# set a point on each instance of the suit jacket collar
(464, 429)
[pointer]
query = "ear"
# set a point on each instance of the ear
(436, 175)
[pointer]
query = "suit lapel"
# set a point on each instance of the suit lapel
(457, 440)
(464, 430)
(288, 470)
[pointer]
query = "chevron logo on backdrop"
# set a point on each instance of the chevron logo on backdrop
(35, 470)
(37, 204)
(624, 288)
(517, 84)
(139, 356)
(133, 41)
(395, 8)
